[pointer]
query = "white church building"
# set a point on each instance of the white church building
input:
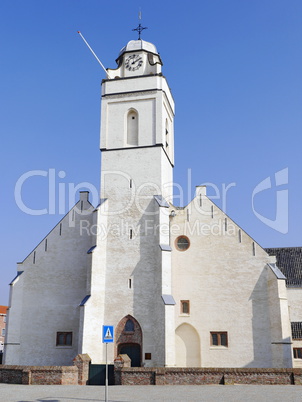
(182, 286)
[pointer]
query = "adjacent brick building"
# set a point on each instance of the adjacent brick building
(3, 310)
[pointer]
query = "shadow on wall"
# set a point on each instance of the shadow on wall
(148, 306)
(268, 345)
(261, 323)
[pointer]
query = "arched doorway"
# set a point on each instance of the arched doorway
(133, 350)
(187, 345)
(128, 335)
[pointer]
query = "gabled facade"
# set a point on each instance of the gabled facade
(233, 288)
(182, 286)
(46, 292)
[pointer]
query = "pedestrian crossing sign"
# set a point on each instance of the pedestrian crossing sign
(108, 333)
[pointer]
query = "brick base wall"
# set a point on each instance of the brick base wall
(53, 375)
(203, 376)
(47, 375)
(78, 374)
(39, 375)
(11, 374)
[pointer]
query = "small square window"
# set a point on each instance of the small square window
(185, 306)
(147, 356)
(219, 339)
(297, 353)
(64, 339)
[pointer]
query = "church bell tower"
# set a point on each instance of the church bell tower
(138, 112)
(131, 263)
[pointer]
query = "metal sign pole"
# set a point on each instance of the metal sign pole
(108, 337)
(106, 380)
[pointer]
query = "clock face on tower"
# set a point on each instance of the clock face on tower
(133, 62)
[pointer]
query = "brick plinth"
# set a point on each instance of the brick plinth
(82, 363)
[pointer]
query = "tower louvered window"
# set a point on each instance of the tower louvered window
(296, 330)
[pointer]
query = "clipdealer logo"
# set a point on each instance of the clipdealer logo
(280, 223)
(58, 191)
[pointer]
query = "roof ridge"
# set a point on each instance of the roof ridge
(276, 248)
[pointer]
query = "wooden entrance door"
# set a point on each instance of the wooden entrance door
(133, 350)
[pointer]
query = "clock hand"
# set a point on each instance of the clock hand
(138, 58)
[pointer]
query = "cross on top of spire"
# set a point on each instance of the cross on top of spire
(140, 28)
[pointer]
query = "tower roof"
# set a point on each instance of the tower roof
(138, 45)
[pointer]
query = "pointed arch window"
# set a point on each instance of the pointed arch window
(132, 127)
(129, 326)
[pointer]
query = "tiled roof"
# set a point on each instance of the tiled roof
(3, 309)
(289, 261)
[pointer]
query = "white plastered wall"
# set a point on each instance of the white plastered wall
(45, 299)
(226, 283)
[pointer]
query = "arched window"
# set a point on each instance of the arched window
(132, 127)
(129, 326)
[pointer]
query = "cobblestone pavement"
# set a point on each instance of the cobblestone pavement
(232, 393)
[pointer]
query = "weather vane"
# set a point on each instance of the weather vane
(140, 28)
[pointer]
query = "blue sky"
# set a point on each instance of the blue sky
(235, 70)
